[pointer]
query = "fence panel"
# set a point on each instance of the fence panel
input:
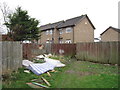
(11, 56)
(31, 50)
(103, 52)
(64, 49)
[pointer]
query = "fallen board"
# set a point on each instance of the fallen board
(40, 85)
(49, 74)
(46, 81)
(33, 85)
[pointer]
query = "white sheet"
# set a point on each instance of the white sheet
(38, 68)
(26, 63)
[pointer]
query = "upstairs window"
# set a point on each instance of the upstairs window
(51, 31)
(61, 31)
(68, 30)
(47, 32)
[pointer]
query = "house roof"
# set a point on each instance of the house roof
(67, 23)
(70, 22)
(116, 29)
(50, 25)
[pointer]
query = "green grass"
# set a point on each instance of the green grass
(87, 75)
(77, 74)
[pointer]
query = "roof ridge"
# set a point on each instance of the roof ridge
(116, 29)
(52, 23)
(74, 17)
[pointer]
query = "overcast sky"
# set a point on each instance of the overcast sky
(102, 13)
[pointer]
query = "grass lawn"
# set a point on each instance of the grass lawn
(77, 74)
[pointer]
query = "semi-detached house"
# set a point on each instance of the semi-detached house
(74, 30)
(110, 34)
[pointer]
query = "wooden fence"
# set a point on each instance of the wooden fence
(0, 58)
(64, 49)
(11, 56)
(30, 50)
(103, 52)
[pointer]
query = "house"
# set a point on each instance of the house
(49, 32)
(110, 34)
(5, 38)
(96, 40)
(74, 30)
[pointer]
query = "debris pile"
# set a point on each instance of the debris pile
(40, 68)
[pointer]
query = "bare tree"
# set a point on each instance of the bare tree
(5, 12)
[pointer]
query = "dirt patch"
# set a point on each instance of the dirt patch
(70, 71)
(80, 73)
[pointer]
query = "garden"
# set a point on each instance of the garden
(76, 74)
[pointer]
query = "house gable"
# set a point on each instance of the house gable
(85, 16)
(110, 34)
(84, 31)
(115, 29)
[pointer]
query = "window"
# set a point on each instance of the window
(68, 41)
(68, 30)
(47, 41)
(61, 31)
(85, 22)
(47, 32)
(51, 31)
(61, 41)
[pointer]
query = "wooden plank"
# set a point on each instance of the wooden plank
(45, 81)
(49, 74)
(33, 85)
(40, 85)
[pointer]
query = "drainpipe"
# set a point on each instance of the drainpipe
(73, 35)
(53, 36)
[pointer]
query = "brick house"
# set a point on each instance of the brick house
(5, 37)
(110, 34)
(78, 29)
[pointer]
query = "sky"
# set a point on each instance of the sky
(102, 13)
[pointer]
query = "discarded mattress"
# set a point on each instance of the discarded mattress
(56, 63)
(26, 63)
(40, 57)
(43, 56)
(40, 68)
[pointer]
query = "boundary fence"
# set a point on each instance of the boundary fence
(11, 56)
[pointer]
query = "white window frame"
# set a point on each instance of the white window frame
(69, 30)
(47, 32)
(60, 31)
(47, 41)
(51, 31)
(61, 41)
(68, 41)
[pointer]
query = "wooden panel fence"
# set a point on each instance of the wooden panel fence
(30, 50)
(103, 52)
(64, 49)
(0, 61)
(11, 56)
